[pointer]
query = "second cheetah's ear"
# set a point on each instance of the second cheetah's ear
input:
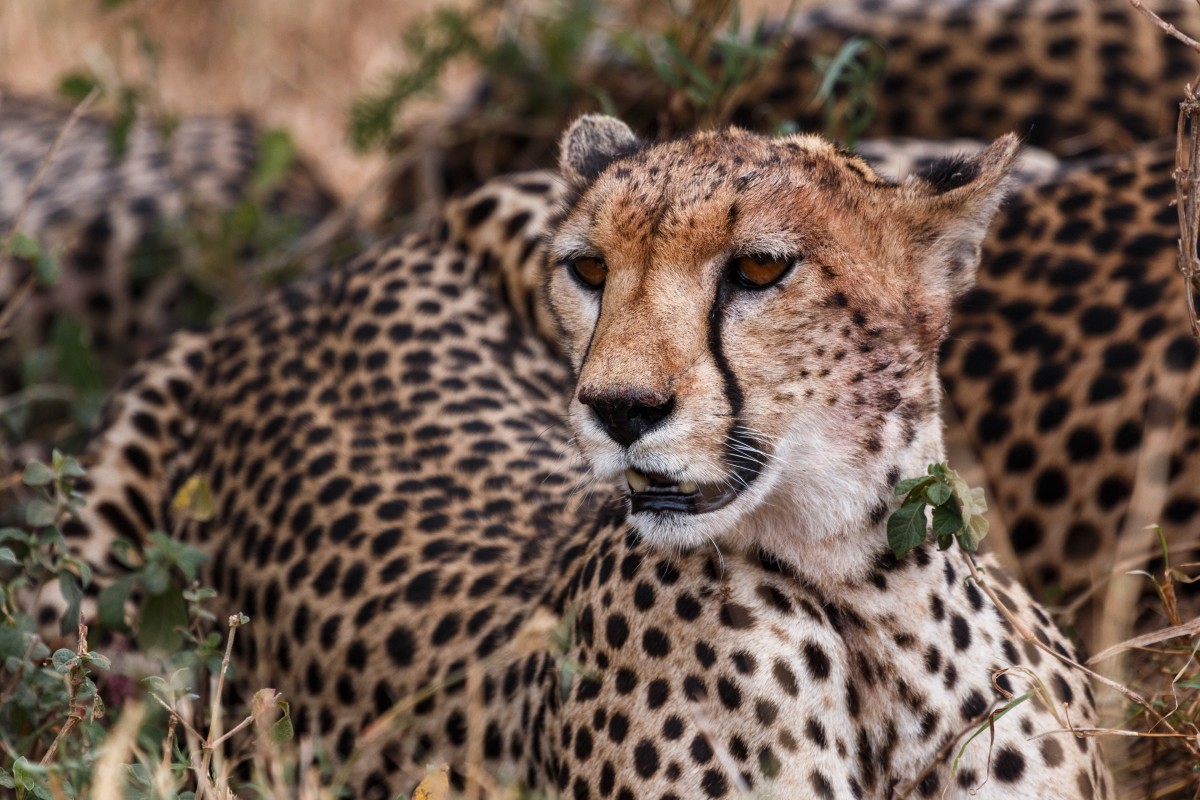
(592, 143)
(953, 204)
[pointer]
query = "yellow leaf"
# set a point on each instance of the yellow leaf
(435, 786)
(194, 499)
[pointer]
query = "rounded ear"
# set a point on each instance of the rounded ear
(954, 201)
(592, 143)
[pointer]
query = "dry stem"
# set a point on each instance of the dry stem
(75, 712)
(1029, 636)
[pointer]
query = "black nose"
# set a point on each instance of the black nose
(627, 417)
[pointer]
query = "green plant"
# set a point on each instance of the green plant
(958, 512)
(543, 66)
(533, 63)
(44, 696)
(846, 93)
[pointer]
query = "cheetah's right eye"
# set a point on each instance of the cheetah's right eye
(758, 271)
(590, 271)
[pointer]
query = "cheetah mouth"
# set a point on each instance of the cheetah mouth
(650, 491)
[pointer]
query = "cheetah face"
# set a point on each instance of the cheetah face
(754, 322)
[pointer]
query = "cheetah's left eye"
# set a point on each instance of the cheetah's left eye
(590, 271)
(758, 271)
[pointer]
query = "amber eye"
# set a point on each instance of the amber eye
(591, 271)
(758, 271)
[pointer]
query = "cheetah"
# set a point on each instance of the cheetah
(403, 497)
(105, 212)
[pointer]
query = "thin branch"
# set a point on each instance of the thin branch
(1154, 637)
(1165, 26)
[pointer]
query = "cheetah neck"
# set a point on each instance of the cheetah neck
(827, 519)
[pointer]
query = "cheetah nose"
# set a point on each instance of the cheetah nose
(629, 415)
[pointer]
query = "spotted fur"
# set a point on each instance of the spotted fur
(101, 213)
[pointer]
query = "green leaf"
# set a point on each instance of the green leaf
(6, 779)
(112, 603)
(14, 535)
(47, 269)
(64, 659)
(200, 594)
(187, 558)
(82, 568)
(162, 615)
(281, 731)
(276, 155)
(973, 534)
(75, 86)
(947, 521)
(159, 686)
(72, 592)
(938, 493)
(24, 247)
(97, 660)
(71, 468)
(28, 776)
(8, 558)
(37, 474)
(77, 362)
(51, 537)
(908, 485)
(14, 641)
(906, 527)
(156, 577)
(40, 513)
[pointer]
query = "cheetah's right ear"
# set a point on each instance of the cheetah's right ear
(592, 143)
(954, 204)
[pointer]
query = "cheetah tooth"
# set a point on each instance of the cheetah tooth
(687, 487)
(637, 481)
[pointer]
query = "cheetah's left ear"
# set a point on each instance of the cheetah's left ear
(592, 143)
(954, 202)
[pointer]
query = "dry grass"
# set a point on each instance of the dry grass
(295, 65)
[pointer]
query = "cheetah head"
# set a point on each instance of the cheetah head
(754, 325)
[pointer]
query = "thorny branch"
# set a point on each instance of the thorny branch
(1187, 178)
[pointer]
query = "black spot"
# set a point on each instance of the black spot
(1009, 765)
(401, 646)
(973, 706)
(960, 631)
(478, 213)
(1050, 487)
(980, 360)
(645, 759)
(1097, 320)
(1083, 444)
(816, 660)
(655, 643)
(1021, 456)
(1182, 352)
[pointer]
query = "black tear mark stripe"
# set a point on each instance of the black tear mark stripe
(745, 467)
